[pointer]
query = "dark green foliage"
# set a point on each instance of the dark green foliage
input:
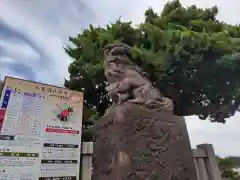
(235, 160)
(226, 167)
(190, 56)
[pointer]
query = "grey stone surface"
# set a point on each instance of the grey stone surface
(136, 143)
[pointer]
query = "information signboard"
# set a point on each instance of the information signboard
(40, 131)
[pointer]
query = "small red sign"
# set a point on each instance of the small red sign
(62, 131)
(2, 116)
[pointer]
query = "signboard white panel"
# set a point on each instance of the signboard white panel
(40, 131)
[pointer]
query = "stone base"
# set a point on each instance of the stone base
(135, 143)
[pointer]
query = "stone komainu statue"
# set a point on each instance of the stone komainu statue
(128, 83)
(139, 138)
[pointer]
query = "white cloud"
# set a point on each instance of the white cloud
(18, 49)
(41, 28)
(108, 11)
(134, 10)
(11, 73)
(228, 10)
(47, 28)
(224, 137)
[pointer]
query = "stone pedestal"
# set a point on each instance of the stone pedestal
(135, 143)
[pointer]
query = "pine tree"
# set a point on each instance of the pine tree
(192, 57)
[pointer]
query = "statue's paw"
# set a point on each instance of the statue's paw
(137, 101)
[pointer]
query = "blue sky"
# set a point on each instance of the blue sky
(33, 33)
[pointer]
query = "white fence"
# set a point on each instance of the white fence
(204, 159)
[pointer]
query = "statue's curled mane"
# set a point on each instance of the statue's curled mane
(128, 83)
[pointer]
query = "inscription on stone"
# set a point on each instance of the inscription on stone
(147, 145)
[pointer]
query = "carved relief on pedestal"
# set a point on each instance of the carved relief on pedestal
(150, 158)
(107, 155)
(104, 152)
